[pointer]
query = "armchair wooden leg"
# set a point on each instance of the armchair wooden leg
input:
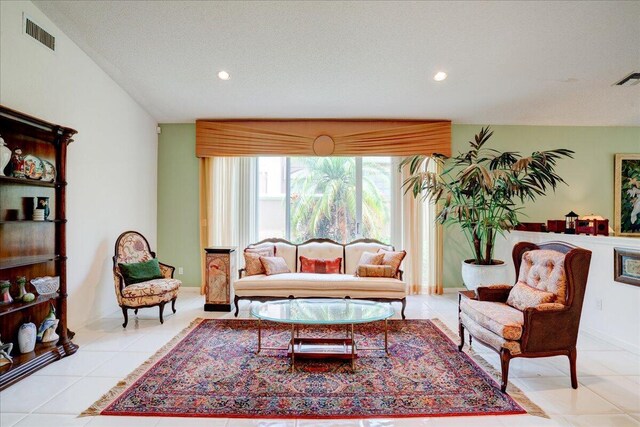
(135, 311)
(162, 310)
(126, 317)
(173, 304)
(505, 358)
(235, 301)
(573, 353)
(404, 305)
(461, 334)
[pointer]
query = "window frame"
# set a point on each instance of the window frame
(395, 210)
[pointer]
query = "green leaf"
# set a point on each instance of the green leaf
(480, 187)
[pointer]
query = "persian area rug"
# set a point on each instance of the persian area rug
(212, 370)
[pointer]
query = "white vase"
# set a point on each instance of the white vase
(27, 337)
(5, 156)
(474, 275)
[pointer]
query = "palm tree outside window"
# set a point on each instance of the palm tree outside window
(340, 198)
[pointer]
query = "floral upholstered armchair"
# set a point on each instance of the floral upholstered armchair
(132, 248)
(537, 317)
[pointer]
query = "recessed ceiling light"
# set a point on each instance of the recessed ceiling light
(440, 76)
(223, 75)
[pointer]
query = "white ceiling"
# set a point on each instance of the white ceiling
(538, 63)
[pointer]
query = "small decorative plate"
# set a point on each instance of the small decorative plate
(49, 174)
(33, 167)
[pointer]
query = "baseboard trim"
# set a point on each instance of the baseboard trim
(454, 290)
(611, 340)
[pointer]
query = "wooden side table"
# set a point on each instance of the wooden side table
(219, 276)
(461, 295)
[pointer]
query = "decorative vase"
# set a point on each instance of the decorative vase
(474, 275)
(5, 156)
(17, 164)
(21, 281)
(43, 203)
(5, 353)
(50, 334)
(47, 323)
(27, 337)
(5, 296)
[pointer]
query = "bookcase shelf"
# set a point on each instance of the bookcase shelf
(31, 182)
(29, 248)
(17, 306)
(23, 261)
(20, 221)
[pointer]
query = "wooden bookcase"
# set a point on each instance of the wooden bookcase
(33, 248)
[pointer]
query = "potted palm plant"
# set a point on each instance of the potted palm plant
(481, 190)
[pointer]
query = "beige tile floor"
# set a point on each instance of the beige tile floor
(608, 395)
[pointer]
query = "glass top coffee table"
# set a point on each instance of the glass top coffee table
(309, 311)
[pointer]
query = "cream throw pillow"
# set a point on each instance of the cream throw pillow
(524, 296)
(394, 259)
(274, 265)
(370, 258)
(252, 264)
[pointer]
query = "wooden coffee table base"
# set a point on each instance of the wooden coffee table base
(322, 348)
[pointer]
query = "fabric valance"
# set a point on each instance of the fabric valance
(238, 138)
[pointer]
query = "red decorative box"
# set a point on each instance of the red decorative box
(593, 226)
(530, 226)
(556, 226)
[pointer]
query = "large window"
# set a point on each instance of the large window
(272, 192)
(340, 198)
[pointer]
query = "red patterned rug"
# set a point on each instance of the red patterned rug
(212, 370)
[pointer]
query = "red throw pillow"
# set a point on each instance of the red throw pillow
(322, 266)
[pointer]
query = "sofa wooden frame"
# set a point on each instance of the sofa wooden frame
(241, 271)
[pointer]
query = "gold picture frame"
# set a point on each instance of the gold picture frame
(627, 195)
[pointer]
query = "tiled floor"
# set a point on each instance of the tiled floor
(609, 392)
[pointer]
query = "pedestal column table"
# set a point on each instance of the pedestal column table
(220, 273)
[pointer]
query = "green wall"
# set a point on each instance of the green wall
(589, 177)
(178, 201)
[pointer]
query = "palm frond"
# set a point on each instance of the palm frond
(479, 188)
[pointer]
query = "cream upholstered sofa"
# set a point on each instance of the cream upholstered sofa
(295, 284)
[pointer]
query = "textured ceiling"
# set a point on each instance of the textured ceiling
(538, 63)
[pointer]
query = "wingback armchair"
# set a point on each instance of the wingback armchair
(537, 317)
(133, 247)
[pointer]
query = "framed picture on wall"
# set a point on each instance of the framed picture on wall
(627, 195)
(626, 266)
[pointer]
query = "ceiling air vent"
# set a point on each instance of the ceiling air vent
(631, 80)
(35, 31)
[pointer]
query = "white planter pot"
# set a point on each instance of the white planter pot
(476, 275)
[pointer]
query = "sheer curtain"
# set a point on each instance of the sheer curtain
(228, 187)
(433, 240)
(227, 203)
(419, 235)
